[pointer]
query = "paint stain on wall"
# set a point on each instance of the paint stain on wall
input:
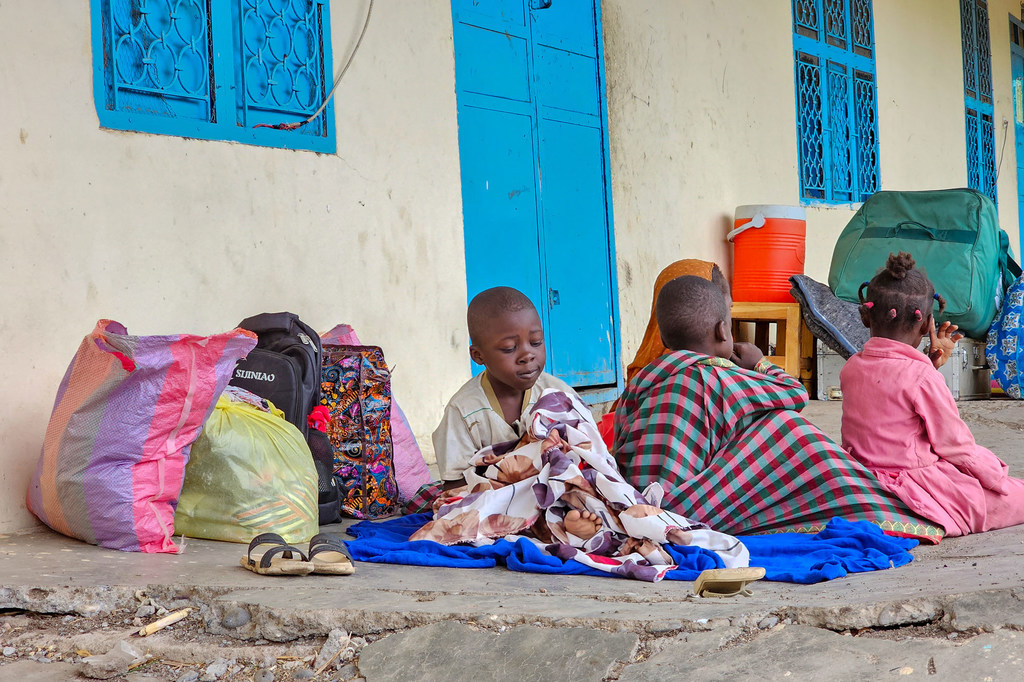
(23, 135)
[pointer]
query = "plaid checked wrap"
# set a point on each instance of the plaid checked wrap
(731, 450)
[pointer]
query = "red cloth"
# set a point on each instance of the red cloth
(606, 427)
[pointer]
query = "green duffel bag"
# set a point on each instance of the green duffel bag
(953, 235)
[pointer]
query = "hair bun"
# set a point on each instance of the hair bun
(899, 264)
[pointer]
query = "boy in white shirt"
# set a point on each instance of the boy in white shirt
(507, 338)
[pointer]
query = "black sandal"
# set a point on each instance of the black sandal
(337, 561)
(272, 564)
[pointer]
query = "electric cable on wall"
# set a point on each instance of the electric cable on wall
(337, 81)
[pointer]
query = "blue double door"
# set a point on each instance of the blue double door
(533, 152)
(1017, 71)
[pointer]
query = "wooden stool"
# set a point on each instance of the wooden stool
(789, 354)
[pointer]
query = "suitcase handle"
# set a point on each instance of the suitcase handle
(915, 226)
(910, 229)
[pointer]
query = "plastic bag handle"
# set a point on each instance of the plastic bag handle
(756, 221)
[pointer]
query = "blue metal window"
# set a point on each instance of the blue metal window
(215, 69)
(836, 100)
(981, 147)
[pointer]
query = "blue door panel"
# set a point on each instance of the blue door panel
(498, 182)
(566, 80)
(1017, 69)
(569, 25)
(490, 12)
(534, 177)
(504, 74)
(577, 262)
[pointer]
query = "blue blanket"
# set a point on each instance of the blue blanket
(843, 547)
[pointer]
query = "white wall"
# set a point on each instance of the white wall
(702, 119)
(170, 235)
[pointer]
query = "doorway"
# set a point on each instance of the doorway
(536, 196)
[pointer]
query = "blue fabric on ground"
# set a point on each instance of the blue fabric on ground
(843, 547)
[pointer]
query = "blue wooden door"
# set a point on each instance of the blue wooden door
(535, 192)
(1017, 68)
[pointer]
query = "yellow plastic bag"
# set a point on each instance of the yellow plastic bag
(250, 472)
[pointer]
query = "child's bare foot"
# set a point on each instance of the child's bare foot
(583, 525)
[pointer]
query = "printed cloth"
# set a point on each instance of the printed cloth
(356, 389)
(1006, 341)
(237, 394)
(842, 548)
(473, 419)
(560, 466)
(730, 449)
(411, 470)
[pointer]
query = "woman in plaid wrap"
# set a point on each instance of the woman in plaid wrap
(717, 425)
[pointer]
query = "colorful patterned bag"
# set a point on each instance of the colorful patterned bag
(125, 417)
(411, 470)
(1005, 346)
(357, 392)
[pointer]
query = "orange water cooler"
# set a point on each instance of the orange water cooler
(768, 248)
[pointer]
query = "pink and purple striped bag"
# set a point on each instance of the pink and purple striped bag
(126, 415)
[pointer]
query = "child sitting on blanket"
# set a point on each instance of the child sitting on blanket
(527, 455)
(717, 425)
(507, 338)
(558, 487)
(900, 420)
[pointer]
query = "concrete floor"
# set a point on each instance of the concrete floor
(964, 585)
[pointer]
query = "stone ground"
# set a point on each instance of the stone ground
(68, 609)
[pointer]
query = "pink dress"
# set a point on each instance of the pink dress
(900, 421)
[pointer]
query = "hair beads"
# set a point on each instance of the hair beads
(892, 313)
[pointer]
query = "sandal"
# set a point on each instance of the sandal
(272, 564)
(337, 561)
(726, 582)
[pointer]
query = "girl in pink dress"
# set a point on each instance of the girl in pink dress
(900, 420)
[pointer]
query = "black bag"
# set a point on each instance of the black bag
(284, 367)
(329, 498)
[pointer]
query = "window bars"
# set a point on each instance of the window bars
(837, 110)
(214, 70)
(978, 112)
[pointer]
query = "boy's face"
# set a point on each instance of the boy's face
(511, 347)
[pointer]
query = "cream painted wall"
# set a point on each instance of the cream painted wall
(173, 235)
(702, 118)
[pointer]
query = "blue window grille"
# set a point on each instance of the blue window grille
(215, 69)
(836, 100)
(981, 146)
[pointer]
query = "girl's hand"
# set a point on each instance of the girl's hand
(942, 342)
